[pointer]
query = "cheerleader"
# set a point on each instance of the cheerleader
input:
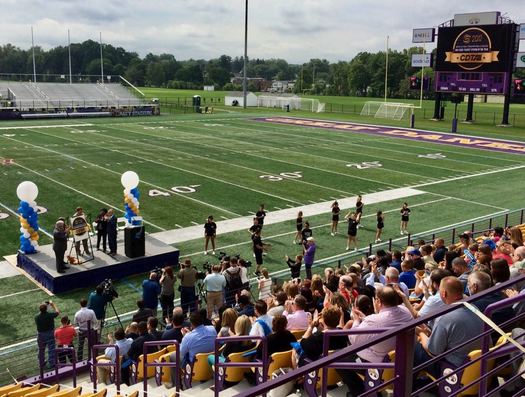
(335, 217)
(359, 210)
(405, 212)
(380, 225)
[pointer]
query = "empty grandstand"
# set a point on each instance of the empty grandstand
(29, 100)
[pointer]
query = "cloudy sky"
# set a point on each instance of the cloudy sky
(295, 30)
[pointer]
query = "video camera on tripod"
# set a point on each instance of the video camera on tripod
(206, 269)
(224, 257)
(108, 289)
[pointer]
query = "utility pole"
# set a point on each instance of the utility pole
(33, 49)
(244, 77)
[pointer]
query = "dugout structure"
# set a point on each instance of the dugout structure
(290, 103)
(53, 99)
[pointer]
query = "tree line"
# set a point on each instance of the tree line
(364, 75)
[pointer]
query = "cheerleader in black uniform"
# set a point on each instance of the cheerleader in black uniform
(299, 228)
(335, 217)
(380, 225)
(405, 212)
(359, 210)
(352, 230)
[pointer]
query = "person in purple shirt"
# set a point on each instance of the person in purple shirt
(309, 256)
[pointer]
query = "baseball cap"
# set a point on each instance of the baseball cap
(414, 252)
(491, 244)
(310, 239)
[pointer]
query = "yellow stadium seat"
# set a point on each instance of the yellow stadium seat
(165, 372)
(44, 392)
(199, 371)
(236, 374)
(298, 333)
(150, 370)
(23, 391)
(280, 360)
(9, 388)
(100, 393)
(133, 394)
(68, 393)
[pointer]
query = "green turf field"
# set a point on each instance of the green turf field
(219, 164)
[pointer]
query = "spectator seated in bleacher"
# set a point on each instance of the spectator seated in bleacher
(132, 330)
(461, 271)
(175, 332)
(245, 306)
(153, 323)
(226, 325)
(276, 306)
(242, 327)
(143, 313)
(440, 250)
(135, 350)
(119, 339)
(262, 326)
(298, 318)
(280, 339)
(408, 276)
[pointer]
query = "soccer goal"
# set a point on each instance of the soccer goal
(294, 102)
(386, 110)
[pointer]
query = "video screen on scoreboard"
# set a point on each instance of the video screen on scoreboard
(475, 48)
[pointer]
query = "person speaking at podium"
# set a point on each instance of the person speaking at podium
(79, 231)
(60, 244)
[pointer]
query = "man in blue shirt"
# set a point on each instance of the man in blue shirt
(151, 292)
(201, 339)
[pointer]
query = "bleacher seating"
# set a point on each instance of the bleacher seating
(29, 95)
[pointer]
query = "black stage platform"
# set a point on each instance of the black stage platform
(41, 265)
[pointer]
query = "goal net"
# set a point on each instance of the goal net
(295, 103)
(386, 110)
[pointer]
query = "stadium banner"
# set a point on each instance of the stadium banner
(421, 60)
(479, 48)
(426, 35)
(520, 60)
(477, 18)
(474, 142)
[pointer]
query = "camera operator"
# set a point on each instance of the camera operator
(97, 301)
(167, 291)
(151, 291)
(188, 279)
(45, 326)
(215, 283)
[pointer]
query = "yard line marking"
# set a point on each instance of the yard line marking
(179, 226)
(46, 126)
(223, 162)
(19, 293)
(232, 225)
(311, 201)
(292, 163)
(189, 172)
(457, 178)
(361, 153)
(195, 223)
(472, 202)
(229, 141)
(277, 208)
(386, 139)
(326, 225)
(223, 217)
(143, 181)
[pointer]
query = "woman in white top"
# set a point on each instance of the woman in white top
(265, 284)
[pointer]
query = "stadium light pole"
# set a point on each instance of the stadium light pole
(101, 61)
(69, 53)
(245, 66)
(33, 49)
(386, 69)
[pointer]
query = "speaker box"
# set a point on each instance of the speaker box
(134, 241)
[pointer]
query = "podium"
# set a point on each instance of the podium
(134, 241)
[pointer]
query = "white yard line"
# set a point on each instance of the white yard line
(334, 147)
(472, 202)
(118, 173)
(46, 126)
(20, 293)
(261, 172)
(390, 142)
(187, 171)
(233, 225)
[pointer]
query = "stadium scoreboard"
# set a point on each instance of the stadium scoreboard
(476, 59)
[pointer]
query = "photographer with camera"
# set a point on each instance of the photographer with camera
(215, 283)
(151, 291)
(167, 291)
(45, 326)
(85, 320)
(97, 301)
(188, 279)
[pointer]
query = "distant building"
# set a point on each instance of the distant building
(259, 82)
(281, 86)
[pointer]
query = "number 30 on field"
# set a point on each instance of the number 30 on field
(282, 175)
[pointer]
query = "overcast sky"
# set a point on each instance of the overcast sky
(295, 30)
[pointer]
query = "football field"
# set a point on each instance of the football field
(225, 165)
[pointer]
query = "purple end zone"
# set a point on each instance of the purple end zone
(496, 145)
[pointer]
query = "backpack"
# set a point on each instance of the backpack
(233, 280)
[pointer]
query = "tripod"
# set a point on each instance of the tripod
(104, 318)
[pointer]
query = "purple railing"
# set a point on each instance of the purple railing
(403, 365)
(171, 364)
(116, 365)
(66, 352)
(220, 368)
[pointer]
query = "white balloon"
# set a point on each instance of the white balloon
(22, 230)
(129, 180)
(27, 191)
(26, 235)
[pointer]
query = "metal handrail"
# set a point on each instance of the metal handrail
(116, 364)
(146, 365)
(404, 356)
